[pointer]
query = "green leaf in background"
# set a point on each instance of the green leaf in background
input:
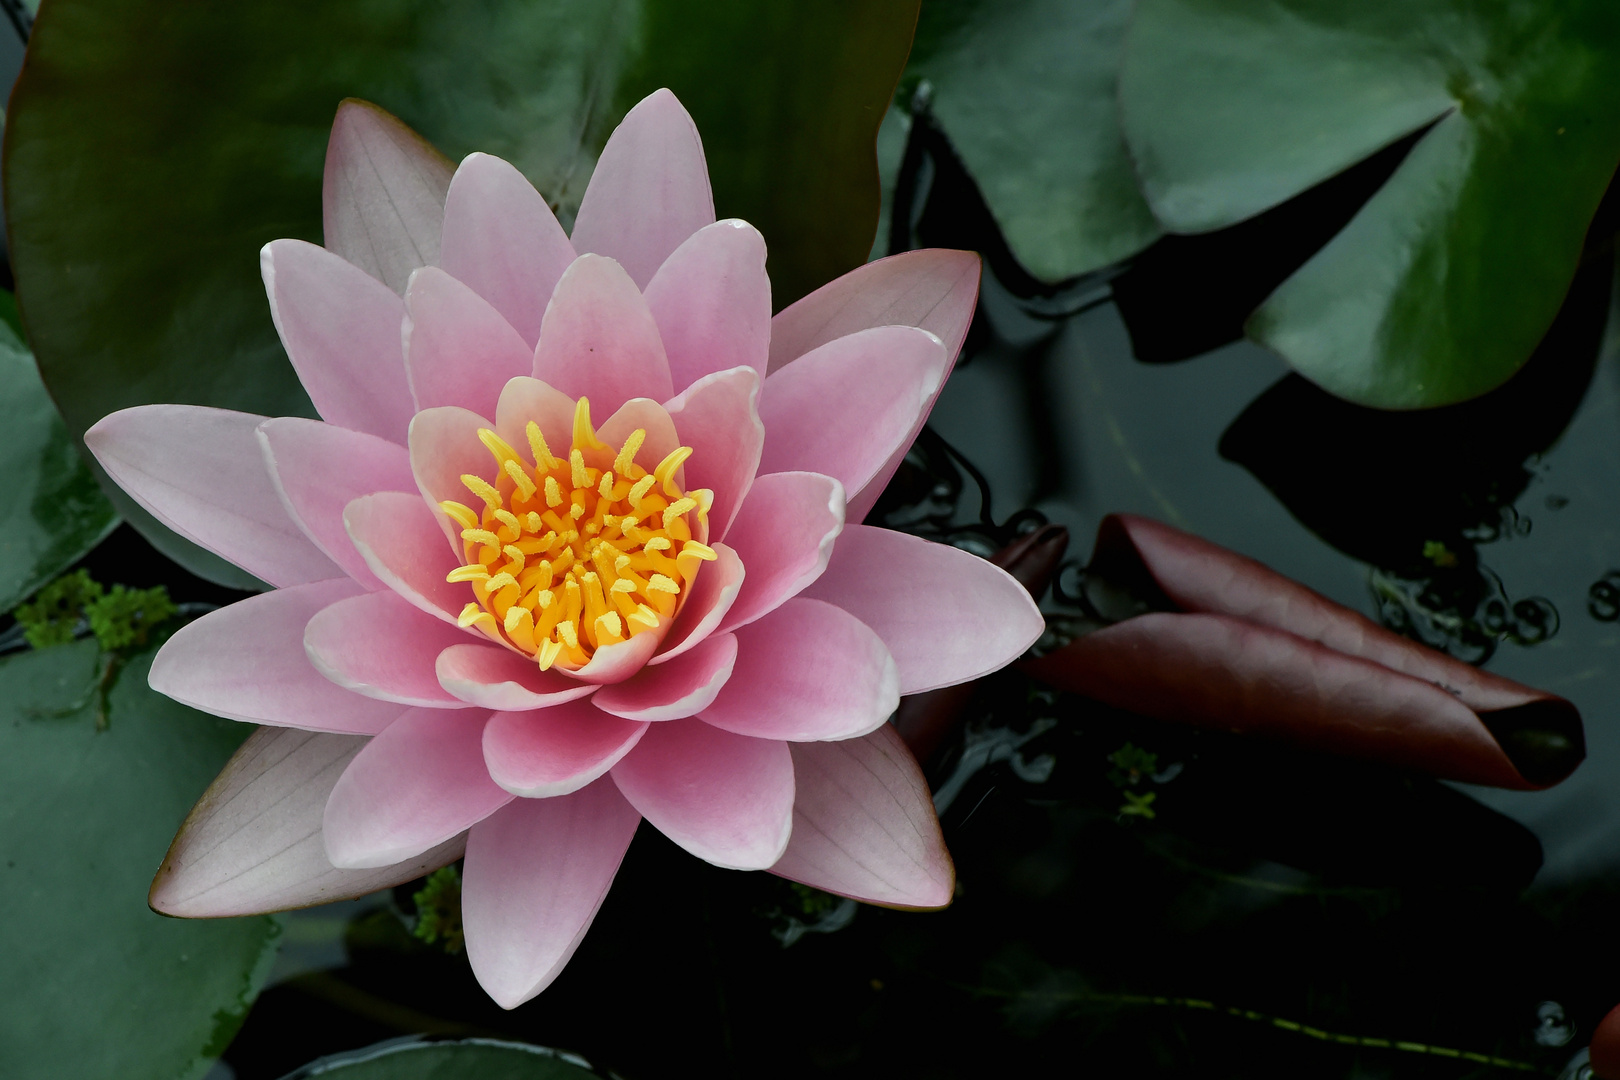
(1024, 90)
(148, 159)
(485, 1059)
(53, 513)
(1443, 283)
(95, 984)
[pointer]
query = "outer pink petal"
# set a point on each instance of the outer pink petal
(383, 196)
(537, 870)
(412, 788)
(946, 616)
(725, 798)
(784, 535)
(382, 647)
(650, 190)
(807, 672)
(711, 597)
(318, 469)
(458, 349)
(253, 842)
(712, 302)
(444, 447)
(247, 662)
(718, 417)
(524, 399)
(674, 690)
(864, 825)
(200, 472)
(400, 540)
(845, 408)
(598, 339)
(502, 239)
(498, 678)
(544, 753)
(340, 327)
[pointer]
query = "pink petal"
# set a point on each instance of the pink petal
(784, 535)
(400, 539)
(650, 190)
(598, 340)
(712, 302)
(807, 672)
(498, 678)
(654, 419)
(670, 691)
(341, 331)
(946, 616)
(537, 870)
(318, 469)
(845, 408)
(544, 753)
(415, 786)
(200, 472)
(718, 417)
(725, 798)
(524, 399)
(864, 825)
(253, 842)
(710, 598)
(458, 349)
(383, 196)
(247, 662)
(616, 663)
(379, 646)
(444, 447)
(502, 239)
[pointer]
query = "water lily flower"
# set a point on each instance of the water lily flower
(574, 544)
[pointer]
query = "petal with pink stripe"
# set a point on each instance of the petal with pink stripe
(598, 339)
(381, 646)
(458, 349)
(683, 687)
(548, 752)
(712, 302)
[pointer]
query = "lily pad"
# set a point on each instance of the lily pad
(1024, 90)
(1443, 283)
(141, 283)
(487, 1059)
(96, 984)
(53, 513)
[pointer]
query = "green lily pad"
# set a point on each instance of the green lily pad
(140, 283)
(486, 1059)
(96, 984)
(1443, 283)
(1024, 90)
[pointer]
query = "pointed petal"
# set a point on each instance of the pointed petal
(247, 662)
(415, 786)
(598, 340)
(501, 239)
(524, 399)
(616, 663)
(341, 331)
(650, 190)
(544, 753)
(807, 672)
(200, 471)
(458, 349)
(845, 408)
(380, 646)
(444, 447)
(497, 678)
(718, 417)
(711, 597)
(864, 825)
(712, 302)
(784, 535)
(946, 616)
(683, 687)
(383, 194)
(400, 539)
(537, 870)
(725, 798)
(253, 841)
(651, 417)
(318, 469)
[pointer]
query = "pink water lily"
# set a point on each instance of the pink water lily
(571, 547)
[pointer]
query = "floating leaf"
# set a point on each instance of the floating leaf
(486, 1059)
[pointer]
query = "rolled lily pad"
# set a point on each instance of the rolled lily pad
(96, 984)
(1025, 93)
(1440, 287)
(141, 283)
(53, 513)
(486, 1059)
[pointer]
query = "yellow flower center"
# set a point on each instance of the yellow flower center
(572, 554)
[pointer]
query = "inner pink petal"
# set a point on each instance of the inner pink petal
(718, 417)
(553, 751)
(598, 339)
(706, 605)
(381, 646)
(784, 535)
(496, 677)
(445, 447)
(712, 302)
(683, 687)
(458, 349)
(400, 539)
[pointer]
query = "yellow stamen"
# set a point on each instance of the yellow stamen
(462, 515)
